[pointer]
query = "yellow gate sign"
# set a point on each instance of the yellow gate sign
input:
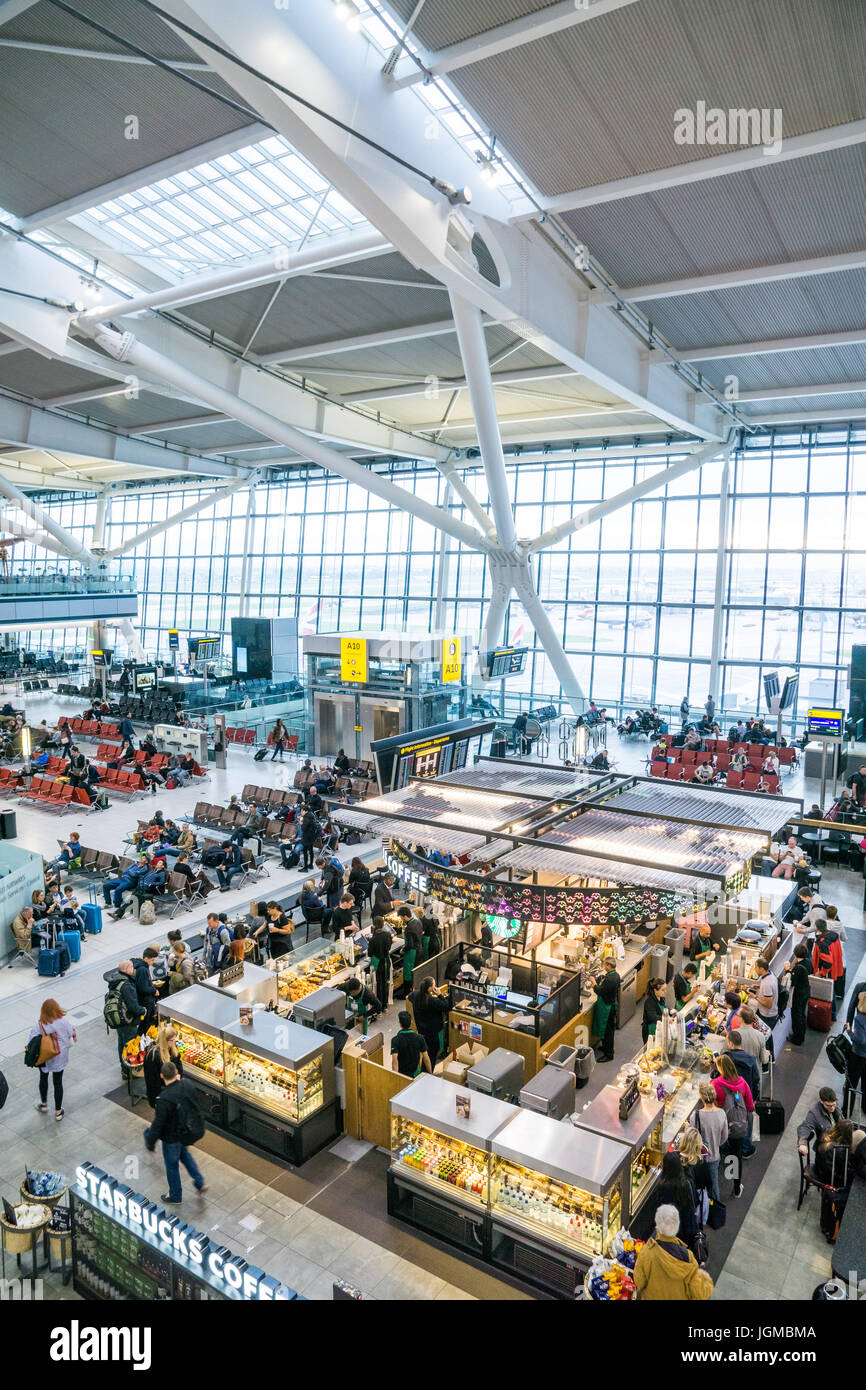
(353, 659)
(451, 663)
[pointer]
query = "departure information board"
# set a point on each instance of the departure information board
(826, 722)
(506, 661)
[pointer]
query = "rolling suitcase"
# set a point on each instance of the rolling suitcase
(770, 1112)
(72, 941)
(819, 1015)
(51, 959)
(92, 915)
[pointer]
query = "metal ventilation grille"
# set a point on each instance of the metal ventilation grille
(486, 263)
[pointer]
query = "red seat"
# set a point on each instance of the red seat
(772, 781)
(740, 747)
(292, 742)
(674, 772)
(688, 755)
(787, 756)
(723, 762)
(734, 778)
(76, 725)
(250, 737)
(704, 758)
(658, 769)
(751, 780)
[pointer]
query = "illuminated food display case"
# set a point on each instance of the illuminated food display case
(279, 1085)
(439, 1177)
(199, 1015)
(253, 985)
(556, 1199)
(308, 968)
(268, 1081)
(641, 1131)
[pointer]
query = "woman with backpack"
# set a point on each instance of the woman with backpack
(677, 1189)
(713, 1128)
(56, 1035)
(181, 968)
(827, 956)
(734, 1097)
(856, 1069)
(164, 1050)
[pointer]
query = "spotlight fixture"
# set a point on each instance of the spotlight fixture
(455, 196)
(349, 14)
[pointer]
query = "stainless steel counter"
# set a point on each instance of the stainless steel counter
(571, 1155)
(601, 1116)
(432, 1102)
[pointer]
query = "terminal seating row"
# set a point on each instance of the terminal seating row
(267, 796)
(180, 892)
(223, 818)
(360, 786)
(9, 776)
(56, 796)
(253, 868)
(243, 736)
(118, 781)
(746, 779)
(785, 755)
(29, 687)
(91, 728)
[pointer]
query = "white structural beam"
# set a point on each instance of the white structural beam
(719, 589)
(505, 37)
(188, 422)
(467, 496)
(767, 345)
(126, 348)
(142, 178)
(555, 534)
(473, 350)
(749, 157)
(537, 614)
(46, 328)
(132, 637)
(281, 263)
(26, 427)
(446, 384)
(754, 275)
(70, 544)
(782, 393)
(6, 349)
(539, 293)
(9, 522)
(184, 514)
(384, 338)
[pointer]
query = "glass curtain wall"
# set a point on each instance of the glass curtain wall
(631, 596)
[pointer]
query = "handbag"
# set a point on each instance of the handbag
(717, 1215)
(48, 1047)
(701, 1247)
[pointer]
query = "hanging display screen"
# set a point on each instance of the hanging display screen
(506, 661)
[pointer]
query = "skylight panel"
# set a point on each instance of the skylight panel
(239, 195)
(252, 154)
(121, 229)
(281, 180)
(259, 189)
(274, 146)
(255, 230)
(229, 164)
(197, 208)
(226, 210)
(309, 176)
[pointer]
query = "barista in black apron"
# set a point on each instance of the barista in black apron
(379, 951)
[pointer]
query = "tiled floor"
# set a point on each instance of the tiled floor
(307, 1226)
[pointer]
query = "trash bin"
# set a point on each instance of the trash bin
(8, 825)
(584, 1064)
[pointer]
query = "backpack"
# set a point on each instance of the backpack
(4, 1090)
(190, 1125)
(212, 858)
(147, 913)
(784, 996)
(114, 1009)
(823, 961)
(735, 1113)
(838, 1050)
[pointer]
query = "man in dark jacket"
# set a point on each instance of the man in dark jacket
(144, 983)
(379, 951)
(821, 1116)
(128, 879)
(309, 832)
(383, 897)
(331, 882)
(134, 1007)
(233, 863)
(175, 1114)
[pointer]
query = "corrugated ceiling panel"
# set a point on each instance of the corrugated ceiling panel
(585, 83)
(814, 408)
(806, 207)
(777, 308)
(450, 21)
(35, 375)
(62, 118)
(147, 410)
(804, 368)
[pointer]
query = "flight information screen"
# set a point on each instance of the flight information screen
(506, 661)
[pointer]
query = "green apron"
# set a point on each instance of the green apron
(408, 966)
(361, 1011)
(600, 1016)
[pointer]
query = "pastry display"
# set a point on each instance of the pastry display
(295, 982)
